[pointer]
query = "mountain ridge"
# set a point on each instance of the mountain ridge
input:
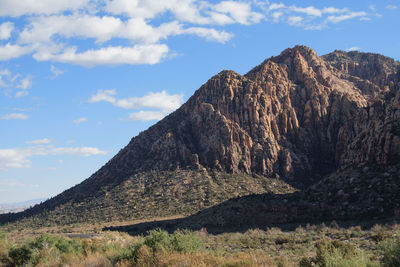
(295, 118)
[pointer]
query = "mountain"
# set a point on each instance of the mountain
(296, 122)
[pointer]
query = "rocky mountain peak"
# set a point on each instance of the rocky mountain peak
(296, 117)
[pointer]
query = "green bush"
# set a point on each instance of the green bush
(61, 244)
(185, 242)
(337, 254)
(20, 255)
(44, 249)
(181, 242)
(391, 253)
(4, 259)
(127, 254)
(156, 242)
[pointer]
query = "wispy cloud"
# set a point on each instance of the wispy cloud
(39, 141)
(15, 183)
(162, 103)
(295, 20)
(20, 157)
(392, 7)
(14, 116)
(15, 81)
(112, 55)
(80, 120)
(146, 116)
(353, 48)
(311, 17)
(24, 84)
(56, 72)
(372, 7)
(351, 15)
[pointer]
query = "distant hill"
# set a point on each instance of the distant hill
(297, 122)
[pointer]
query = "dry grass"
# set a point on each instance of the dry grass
(312, 244)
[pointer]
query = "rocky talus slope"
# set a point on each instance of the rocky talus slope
(295, 120)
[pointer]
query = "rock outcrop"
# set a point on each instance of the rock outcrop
(296, 116)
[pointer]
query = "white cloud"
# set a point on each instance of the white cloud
(210, 34)
(276, 16)
(76, 151)
(21, 93)
(104, 95)
(15, 183)
(353, 48)
(112, 55)
(159, 100)
(42, 29)
(39, 141)
(24, 84)
(146, 115)
(333, 10)
(20, 157)
(310, 17)
(4, 73)
(392, 7)
(275, 6)
(29, 7)
(191, 11)
(11, 81)
(240, 12)
(5, 30)
(372, 7)
(80, 120)
(163, 102)
(56, 72)
(14, 116)
(12, 158)
(310, 10)
(10, 51)
(295, 20)
(351, 15)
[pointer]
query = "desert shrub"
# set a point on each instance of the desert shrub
(391, 253)
(146, 252)
(337, 254)
(185, 242)
(45, 249)
(3, 247)
(181, 241)
(157, 240)
(20, 256)
(63, 245)
(128, 253)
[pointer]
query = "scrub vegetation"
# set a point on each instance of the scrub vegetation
(310, 245)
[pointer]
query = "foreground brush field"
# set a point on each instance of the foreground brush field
(310, 245)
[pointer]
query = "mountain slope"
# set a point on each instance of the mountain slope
(294, 118)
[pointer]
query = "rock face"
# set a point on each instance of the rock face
(296, 117)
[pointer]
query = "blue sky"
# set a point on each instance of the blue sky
(80, 78)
